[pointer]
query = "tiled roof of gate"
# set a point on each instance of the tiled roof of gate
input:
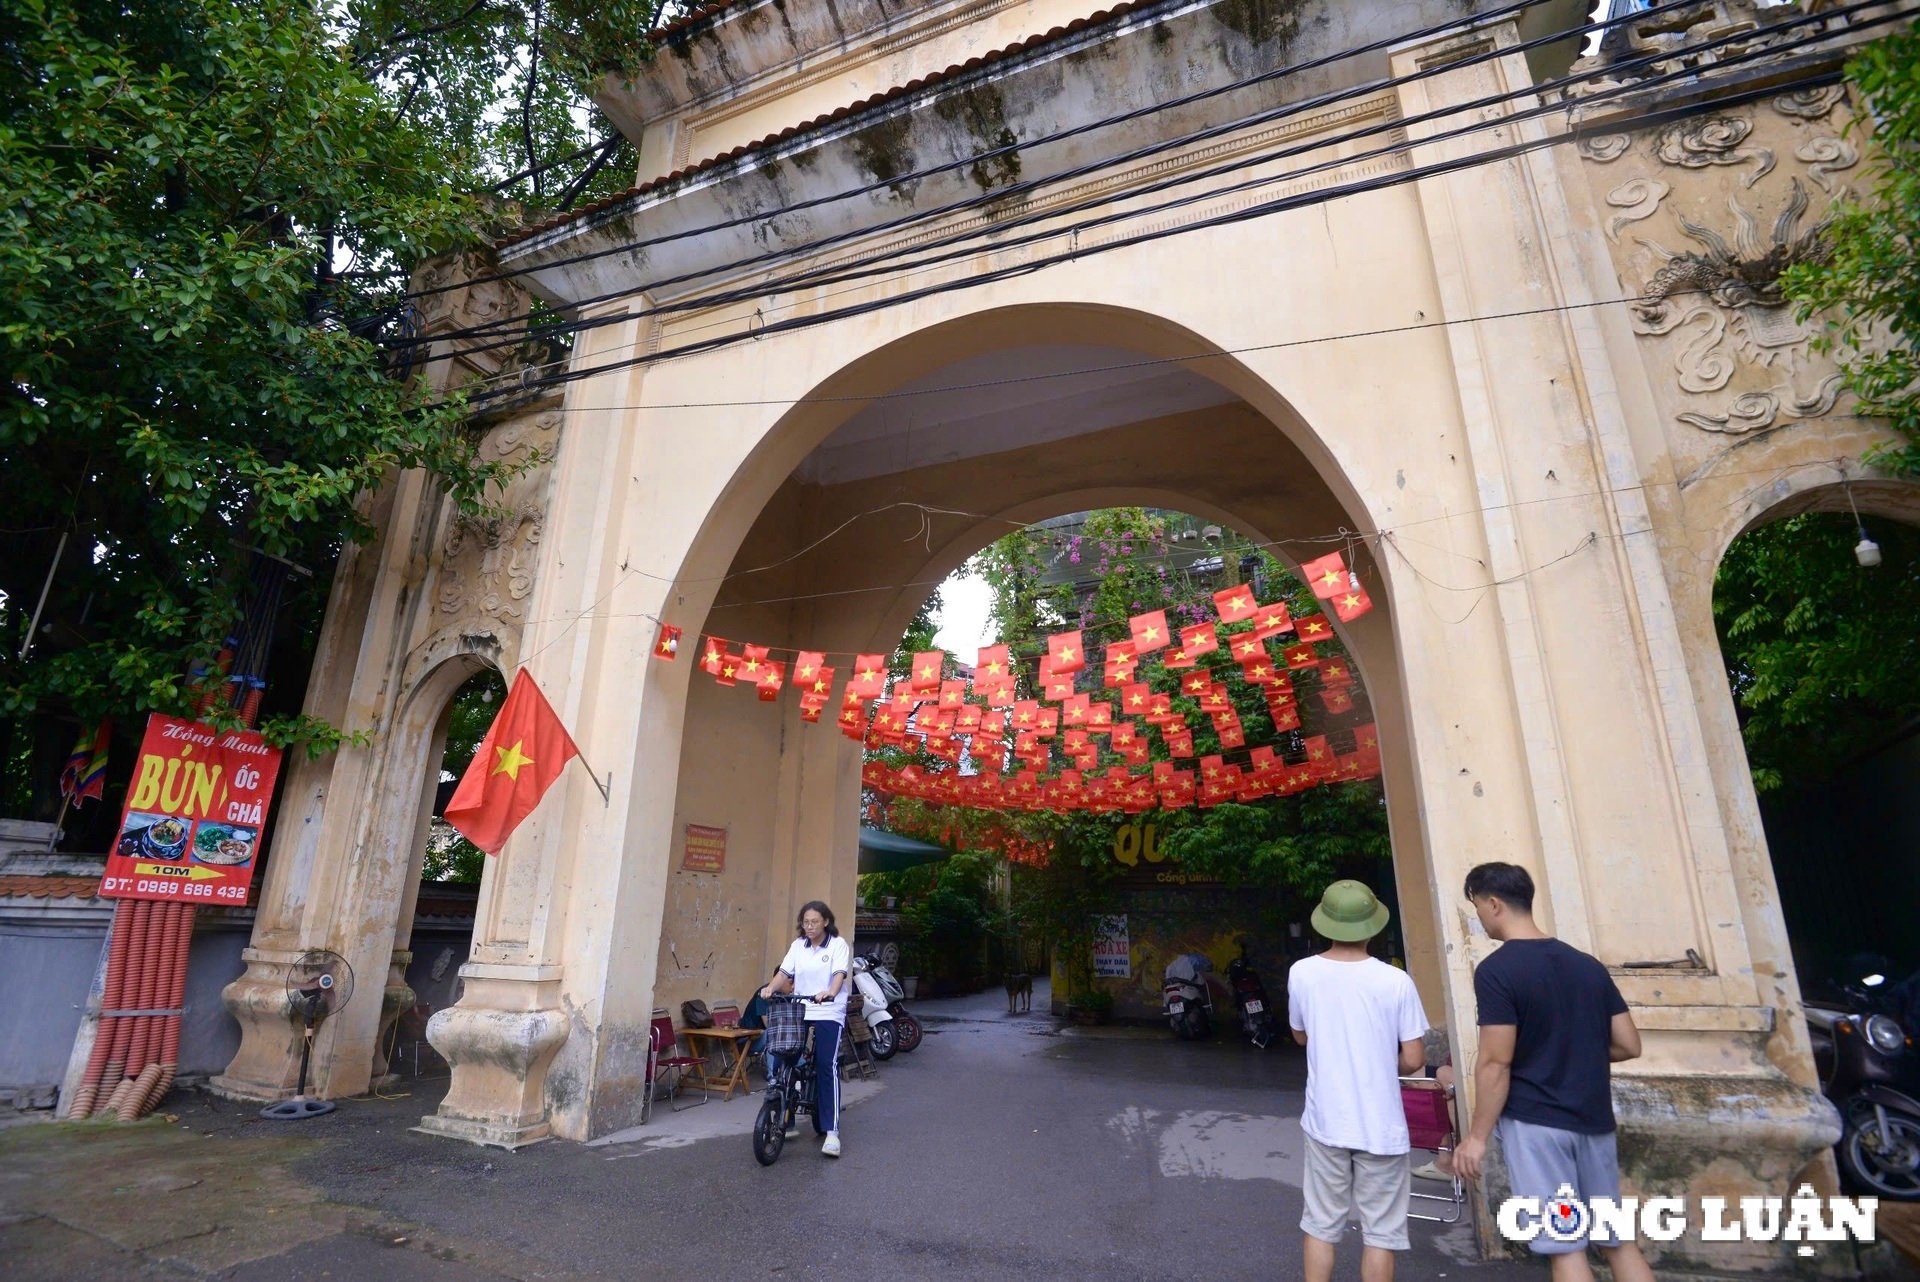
(21, 886)
(839, 113)
(693, 17)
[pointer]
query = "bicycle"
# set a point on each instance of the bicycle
(790, 1077)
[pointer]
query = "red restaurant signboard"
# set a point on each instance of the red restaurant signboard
(196, 807)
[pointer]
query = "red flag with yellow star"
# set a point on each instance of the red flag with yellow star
(524, 751)
(1327, 576)
(1150, 631)
(1235, 603)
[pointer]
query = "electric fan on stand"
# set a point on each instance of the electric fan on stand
(317, 985)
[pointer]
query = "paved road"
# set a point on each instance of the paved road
(1002, 1147)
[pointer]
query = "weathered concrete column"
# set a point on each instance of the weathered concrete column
(548, 925)
(1623, 836)
(315, 831)
(402, 630)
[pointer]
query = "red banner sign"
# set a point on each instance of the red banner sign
(196, 808)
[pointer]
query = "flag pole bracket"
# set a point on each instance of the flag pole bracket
(606, 789)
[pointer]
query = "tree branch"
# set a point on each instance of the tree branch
(526, 100)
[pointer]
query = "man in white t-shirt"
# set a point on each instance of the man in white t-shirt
(1361, 1022)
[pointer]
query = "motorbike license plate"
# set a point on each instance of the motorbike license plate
(1176, 1007)
(1255, 1007)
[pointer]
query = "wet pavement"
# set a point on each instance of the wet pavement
(1005, 1145)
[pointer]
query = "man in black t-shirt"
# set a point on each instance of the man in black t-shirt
(1552, 1023)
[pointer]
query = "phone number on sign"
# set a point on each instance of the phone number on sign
(167, 886)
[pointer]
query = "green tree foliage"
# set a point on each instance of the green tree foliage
(204, 209)
(1867, 287)
(1820, 651)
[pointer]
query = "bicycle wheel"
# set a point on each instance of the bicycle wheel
(770, 1129)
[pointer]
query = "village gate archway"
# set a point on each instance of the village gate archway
(1448, 361)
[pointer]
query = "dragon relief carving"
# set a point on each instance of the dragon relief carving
(1717, 294)
(487, 561)
(1728, 296)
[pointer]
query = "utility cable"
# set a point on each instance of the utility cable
(1017, 146)
(819, 277)
(1278, 205)
(1000, 195)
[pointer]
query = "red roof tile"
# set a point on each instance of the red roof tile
(839, 113)
(692, 18)
(30, 887)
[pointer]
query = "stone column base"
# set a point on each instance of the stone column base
(488, 1134)
(1694, 1137)
(395, 1000)
(267, 1065)
(500, 1040)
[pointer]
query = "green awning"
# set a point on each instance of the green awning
(890, 852)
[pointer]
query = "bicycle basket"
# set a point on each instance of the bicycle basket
(786, 1028)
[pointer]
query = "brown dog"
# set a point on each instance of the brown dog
(1020, 991)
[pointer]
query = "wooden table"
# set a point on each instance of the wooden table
(731, 1042)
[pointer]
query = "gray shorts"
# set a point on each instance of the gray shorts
(1540, 1159)
(1370, 1187)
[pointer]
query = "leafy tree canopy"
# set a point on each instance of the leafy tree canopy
(1868, 286)
(1820, 652)
(206, 209)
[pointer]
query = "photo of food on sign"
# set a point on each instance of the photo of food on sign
(151, 836)
(225, 844)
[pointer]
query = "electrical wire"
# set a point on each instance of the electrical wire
(1349, 538)
(1003, 194)
(1150, 362)
(1279, 205)
(1020, 145)
(883, 262)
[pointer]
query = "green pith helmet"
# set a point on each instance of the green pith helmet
(1349, 913)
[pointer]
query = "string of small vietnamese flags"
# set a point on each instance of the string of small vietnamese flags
(869, 714)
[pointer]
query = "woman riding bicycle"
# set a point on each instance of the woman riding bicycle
(816, 967)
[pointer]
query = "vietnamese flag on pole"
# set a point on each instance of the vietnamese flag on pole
(524, 751)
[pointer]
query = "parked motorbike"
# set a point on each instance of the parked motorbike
(1184, 993)
(1870, 1069)
(906, 1029)
(1257, 1019)
(880, 1020)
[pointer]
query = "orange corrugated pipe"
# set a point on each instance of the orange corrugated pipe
(146, 989)
(81, 1106)
(146, 1060)
(151, 963)
(119, 1033)
(169, 1056)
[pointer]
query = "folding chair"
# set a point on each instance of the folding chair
(1430, 1125)
(856, 1046)
(663, 1056)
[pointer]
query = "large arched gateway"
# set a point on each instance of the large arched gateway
(896, 277)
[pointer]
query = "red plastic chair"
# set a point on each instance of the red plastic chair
(663, 1056)
(1430, 1125)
